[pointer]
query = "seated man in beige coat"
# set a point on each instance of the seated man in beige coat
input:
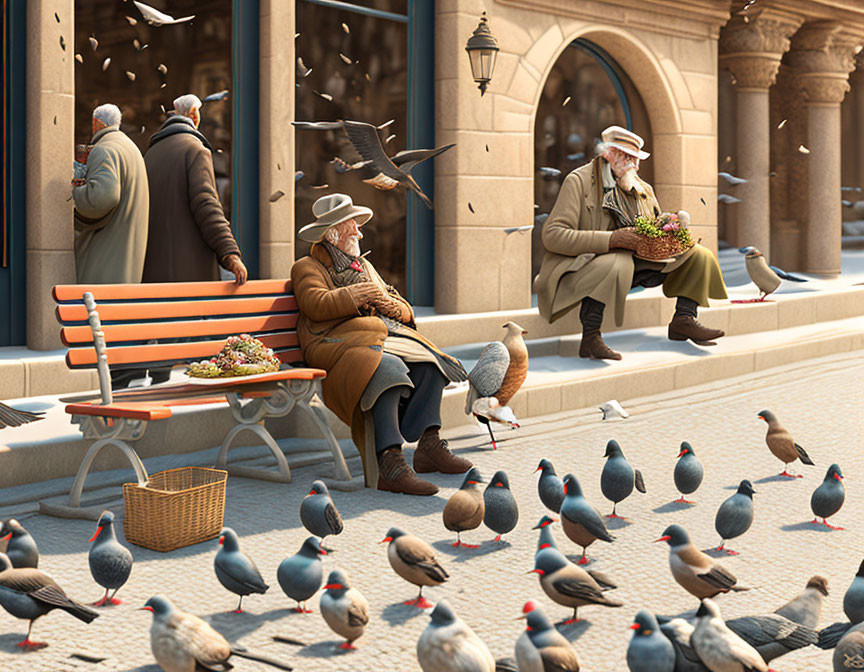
(589, 241)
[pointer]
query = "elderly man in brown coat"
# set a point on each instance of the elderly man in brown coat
(189, 235)
(590, 240)
(361, 331)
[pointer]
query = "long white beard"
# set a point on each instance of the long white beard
(350, 246)
(627, 181)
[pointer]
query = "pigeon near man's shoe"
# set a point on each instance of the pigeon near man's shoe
(465, 509)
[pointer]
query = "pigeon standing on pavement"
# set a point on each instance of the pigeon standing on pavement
(29, 594)
(766, 278)
(688, 472)
(649, 650)
(541, 647)
(806, 608)
(550, 487)
(110, 561)
(853, 600)
(12, 417)
(735, 515)
(449, 645)
(414, 560)
(235, 570)
(20, 545)
(618, 477)
(828, 498)
(571, 586)
(318, 513)
(545, 540)
(580, 521)
(300, 575)
(720, 649)
(465, 508)
(699, 574)
(501, 511)
(782, 446)
(344, 608)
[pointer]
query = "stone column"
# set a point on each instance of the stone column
(752, 51)
(823, 57)
(276, 144)
(50, 147)
(857, 80)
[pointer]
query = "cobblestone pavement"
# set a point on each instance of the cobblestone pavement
(819, 401)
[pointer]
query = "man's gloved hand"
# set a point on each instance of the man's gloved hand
(624, 239)
(365, 294)
(233, 264)
(390, 307)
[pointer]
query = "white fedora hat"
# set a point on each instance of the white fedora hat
(627, 141)
(331, 210)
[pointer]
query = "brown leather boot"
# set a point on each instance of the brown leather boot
(593, 347)
(685, 327)
(396, 476)
(433, 454)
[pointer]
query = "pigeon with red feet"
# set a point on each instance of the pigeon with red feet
(550, 487)
(414, 560)
(580, 521)
(618, 478)
(344, 608)
(20, 545)
(236, 570)
(501, 511)
(541, 647)
(828, 498)
(110, 561)
(688, 472)
(300, 575)
(465, 508)
(735, 516)
(782, 446)
(29, 594)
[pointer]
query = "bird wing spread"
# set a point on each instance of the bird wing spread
(334, 520)
(488, 373)
(408, 158)
(422, 559)
(718, 577)
(640, 482)
(365, 139)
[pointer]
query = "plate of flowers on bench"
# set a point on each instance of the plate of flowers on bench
(241, 356)
(664, 238)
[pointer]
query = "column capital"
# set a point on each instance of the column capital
(752, 45)
(822, 56)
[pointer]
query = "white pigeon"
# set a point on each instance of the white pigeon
(489, 408)
(720, 649)
(449, 645)
(613, 409)
(156, 18)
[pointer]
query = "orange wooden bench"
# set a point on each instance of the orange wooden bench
(118, 326)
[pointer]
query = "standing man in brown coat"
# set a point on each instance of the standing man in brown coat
(361, 331)
(189, 236)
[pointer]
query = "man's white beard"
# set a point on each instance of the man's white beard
(350, 245)
(627, 181)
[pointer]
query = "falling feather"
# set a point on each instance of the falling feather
(368, 78)
(345, 59)
(726, 198)
(325, 96)
(846, 204)
(302, 70)
(106, 63)
(782, 124)
(731, 179)
(57, 17)
(79, 58)
(487, 148)
(276, 195)
(130, 75)
(515, 229)
(389, 138)
(346, 29)
(94, 43)
(566, 100)
(62, 43)
(219, 95)
(703, 201)
(163, 85)
(131, 21)
(162, 68)
(299, 175)
(470, 207)
(803, 149)
(320, 186)
(162, 107)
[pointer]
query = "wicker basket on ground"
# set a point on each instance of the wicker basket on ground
(177, 508)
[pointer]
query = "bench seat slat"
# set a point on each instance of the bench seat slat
(170, 290)
(118, 333)
(132, 411)
(134, 312)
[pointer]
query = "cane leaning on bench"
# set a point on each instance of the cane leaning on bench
(111, 327)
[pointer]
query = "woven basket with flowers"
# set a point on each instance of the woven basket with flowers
(662, 238)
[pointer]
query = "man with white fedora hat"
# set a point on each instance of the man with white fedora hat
(381, 373)
(589, 241)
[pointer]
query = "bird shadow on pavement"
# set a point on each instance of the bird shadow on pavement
(714, 553)
(329, 649)
(616, 523)
(9, 643)
(145, 668)
(235, 626)
(573, 631)
(663, 345)
(776, 478)
(673, 507)
(399, 613)
(806, 526)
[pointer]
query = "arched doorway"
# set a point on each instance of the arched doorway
(586, 91)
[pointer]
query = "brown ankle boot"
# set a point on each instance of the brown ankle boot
(593, 347)
(396, 476)
(684, 327)
(433, 454)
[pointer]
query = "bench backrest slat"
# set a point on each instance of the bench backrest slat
(111, 312)
(171, 290)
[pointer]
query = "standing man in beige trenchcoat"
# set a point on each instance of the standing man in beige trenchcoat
(589, 241)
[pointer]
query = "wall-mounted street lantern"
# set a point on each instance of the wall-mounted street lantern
(482, 50)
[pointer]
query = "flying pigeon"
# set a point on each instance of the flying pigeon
(465, 508)
(501, 511)
(828, 498)
(688, 472)
(766, 278)
(806, 608)
(12, 417)
(613, 410)
(449, 645)
(414, 560)
(550, 487)
(29, 594)
(782, 446)
(214, 97)
(726, 198)
(649, 649)
(156, 18)
(581, 523)
(344, 608)
(618, 478)
(515, 229)
(318, 513)
(550, 174)
(731, 179)
(541, 647)
(376, 167)
(110, 561)
(300, 575)
(718, 647)
(21, 548)
(735, 515)
(235, 570)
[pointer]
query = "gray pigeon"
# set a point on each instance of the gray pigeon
(735, 515)
(849, 654)
(236, 570)
(618, 477)
(449, 645)
(649, 649)
(20, 546)
(688, 472)
(300, 575)
(110, 561)
(718, 647)
(581, 523)
(550, 487)
(546, 540)
(318, 513)
(344, 608)
(828, 498)
(772, 635)
(853, 600)
(806, 608)
(541, 647)
(678, 631)
(502, 512)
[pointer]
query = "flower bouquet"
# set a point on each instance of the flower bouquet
(240, 356)
(663, 238)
